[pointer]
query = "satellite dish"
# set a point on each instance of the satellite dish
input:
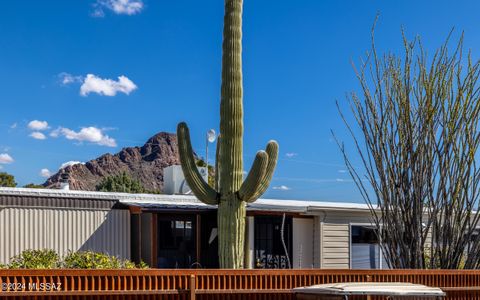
(184, 188)
(203, 171)
(211, 136)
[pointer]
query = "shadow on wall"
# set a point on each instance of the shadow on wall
(112, 236)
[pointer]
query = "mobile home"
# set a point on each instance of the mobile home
(178, 231)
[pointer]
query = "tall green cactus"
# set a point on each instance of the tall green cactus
(231, 192)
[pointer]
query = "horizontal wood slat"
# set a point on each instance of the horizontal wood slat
(214, 284)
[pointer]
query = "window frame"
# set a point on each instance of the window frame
(350, 253)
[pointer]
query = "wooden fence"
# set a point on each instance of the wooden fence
(213, 284)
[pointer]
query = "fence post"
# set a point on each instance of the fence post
(369, 279)
(192, 287)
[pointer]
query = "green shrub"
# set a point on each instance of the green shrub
(95, 260)
(34, 186)
(142, 265)
(35, 259)
(122, 183)
(49, 259)
(7, 180)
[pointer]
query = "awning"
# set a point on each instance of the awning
(164, 205)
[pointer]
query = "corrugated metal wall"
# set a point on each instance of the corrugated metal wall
(65, 229)
(54, 201)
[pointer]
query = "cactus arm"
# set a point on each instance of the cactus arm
(199, 187)
(272, 151)
(255, 177)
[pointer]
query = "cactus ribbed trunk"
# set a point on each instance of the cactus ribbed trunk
(231, 233)
(231, 210)
(231, 192)
(231, 107)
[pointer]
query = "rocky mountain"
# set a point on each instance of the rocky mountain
(144, 163)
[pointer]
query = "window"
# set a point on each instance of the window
(174, 233)
(176, 242)
(365, 249)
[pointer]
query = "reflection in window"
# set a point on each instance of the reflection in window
(365, 248)
(176, 243)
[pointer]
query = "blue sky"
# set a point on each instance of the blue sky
(102, 75)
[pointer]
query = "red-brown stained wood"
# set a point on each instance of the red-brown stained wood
(176, 283)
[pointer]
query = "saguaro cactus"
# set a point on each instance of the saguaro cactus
(231, 192)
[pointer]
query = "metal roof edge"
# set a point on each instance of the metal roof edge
(302, 206)
(93, 195)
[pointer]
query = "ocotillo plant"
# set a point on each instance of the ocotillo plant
(231, 193)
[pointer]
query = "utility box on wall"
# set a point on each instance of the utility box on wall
(174, 181)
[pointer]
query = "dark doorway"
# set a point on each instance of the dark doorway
(269, 250)
(209, 240)
(176, 241)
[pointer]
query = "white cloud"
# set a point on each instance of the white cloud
(6, 159)
(13, 126)
(342, 171)
(97, 12)
(38, 135)
(128, 7)
(340, 180)
(86, 134)
(38, 125)
(281, 188)
(291, 154)
(95, 84)
(70, 163)
(106, 87)
(119, 7)
(45, 173)
(67, 78)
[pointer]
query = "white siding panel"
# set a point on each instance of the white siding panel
(63, 230)
(338, 261)
(335, 239)
(337, 233)
(330, 229)
(339, 246)
(428, 240)
(329, 255)
(335, 246)
(335, 266)
(335, 250)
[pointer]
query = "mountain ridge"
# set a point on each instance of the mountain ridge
(144, 163)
